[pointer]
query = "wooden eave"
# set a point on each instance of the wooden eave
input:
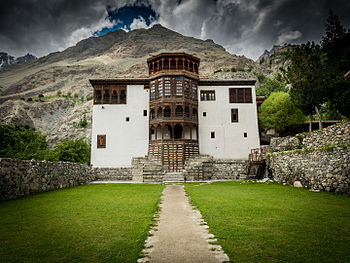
(177, 54)
(225, 82)
(121, 81)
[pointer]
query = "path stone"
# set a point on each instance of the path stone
(181, 234)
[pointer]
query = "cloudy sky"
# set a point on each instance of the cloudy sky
(243, 27)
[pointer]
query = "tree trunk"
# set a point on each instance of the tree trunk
(319, 118)
(310, 122)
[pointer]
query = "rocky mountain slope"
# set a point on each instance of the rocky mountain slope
(271, 61)
(116, 54)
(7, 60)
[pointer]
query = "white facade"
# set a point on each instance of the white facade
(230, 141)
(124, 139)
(128, 138)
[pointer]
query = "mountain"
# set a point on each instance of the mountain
(271, 61)
(7, 60)
(116, 54)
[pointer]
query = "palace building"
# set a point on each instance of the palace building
(172, 116)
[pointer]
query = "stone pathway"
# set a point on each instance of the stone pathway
(181, 234)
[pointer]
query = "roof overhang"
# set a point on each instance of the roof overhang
(121, 81)
(225, 82)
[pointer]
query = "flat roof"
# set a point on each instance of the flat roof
(145, 81)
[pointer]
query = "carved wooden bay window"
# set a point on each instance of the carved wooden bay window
(101, 141)
(110, 95)
(240, 95)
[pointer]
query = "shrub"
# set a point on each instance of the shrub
(278, 112)
(29, 99)
(83, 122)
(71, 151)
(22, 142)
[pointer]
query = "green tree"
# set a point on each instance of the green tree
(22, 142)
(71, 151)
(278, 112)
(269, 86)
(335, 44)
(307, 75)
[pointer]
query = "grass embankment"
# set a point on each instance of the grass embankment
(91, 223)
(275, 223)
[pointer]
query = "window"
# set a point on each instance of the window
(207, 94)
(160, 87)
(187, 88)
(179, 87)
(240, 95)
(111, 94)
(245, 135)
(212, 135)
(167, 87)
(144, 112)
(127, 119)
(101, 141)
(234, 115)
(194, 90)
(153, 90)
(204, 114)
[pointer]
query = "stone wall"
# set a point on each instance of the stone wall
(208, 168)
(112, 174)
(316, 170)
(335, 134)
(24, 177)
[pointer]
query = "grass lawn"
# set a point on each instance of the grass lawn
(90, 223)
(274, 223)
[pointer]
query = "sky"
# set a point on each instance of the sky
(242, 27)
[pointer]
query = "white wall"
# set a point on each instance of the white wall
(124, 140)
(229, 141)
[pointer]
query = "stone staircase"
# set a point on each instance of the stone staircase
(174, 177)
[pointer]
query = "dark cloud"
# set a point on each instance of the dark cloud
(242, 27)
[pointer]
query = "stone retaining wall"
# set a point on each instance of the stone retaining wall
(112, 174)
(24, 177)
(316, 170)
(335, 134)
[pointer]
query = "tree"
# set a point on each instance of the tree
(278, 112)
(22, 142)
(307, 75)
(71, 151)
(269, 86)
(335, 44)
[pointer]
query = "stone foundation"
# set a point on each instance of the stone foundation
(325, 170)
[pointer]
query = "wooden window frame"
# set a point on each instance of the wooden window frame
(101, 141)
(234, 115)
(240, 95)
(208, 95)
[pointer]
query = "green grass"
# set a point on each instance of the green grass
(273, 223)
(90, 223)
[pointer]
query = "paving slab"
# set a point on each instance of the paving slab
(181, 234)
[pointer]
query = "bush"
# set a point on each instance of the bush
(269, 86)
(22, 142)
(83, 122)
(278, 112)
(71, 151)
(40, 96)
(59, 93)
(29, 99)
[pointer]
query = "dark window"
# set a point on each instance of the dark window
(207, 94)
(101, 141)
(245, 135)
(127, 119)
(240, 95)
(110, 95)
(212, 135)
(234, 115)
(204, 114)
(144, 112)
